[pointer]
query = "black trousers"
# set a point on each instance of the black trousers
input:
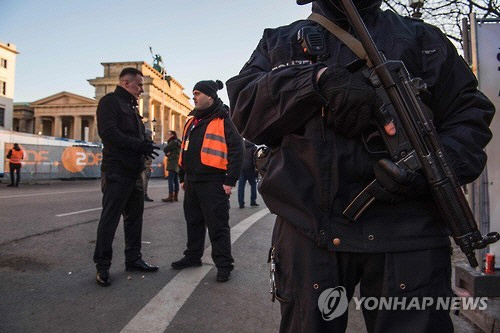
(17, 168)
(304, 271)
(206, 206)
(121, 196)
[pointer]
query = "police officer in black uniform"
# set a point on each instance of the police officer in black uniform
(125, 148)
(313, 113)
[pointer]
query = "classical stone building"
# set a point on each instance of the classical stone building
(23, 118)
(8, 55)
(66, 115)
(163, 105)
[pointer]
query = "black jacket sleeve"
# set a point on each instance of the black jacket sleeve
(181, 174)
(462, 114)
(268, 103)
(235, 150)
(108, 113)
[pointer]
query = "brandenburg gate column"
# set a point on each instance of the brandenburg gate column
(146, 100)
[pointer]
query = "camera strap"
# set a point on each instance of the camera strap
(344, 36)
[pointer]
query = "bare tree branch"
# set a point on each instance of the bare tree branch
(448, 14)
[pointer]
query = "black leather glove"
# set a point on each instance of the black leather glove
(398, 184)
(351, 99)
(148, 149)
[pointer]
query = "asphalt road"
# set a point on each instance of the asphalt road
(47, 277)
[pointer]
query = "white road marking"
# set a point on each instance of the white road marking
(79, 212)
(159, 312)
(44, 193)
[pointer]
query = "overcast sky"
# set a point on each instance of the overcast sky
(62, 43)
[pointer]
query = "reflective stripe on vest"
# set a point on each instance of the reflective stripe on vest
(214, 148)
(16, 156)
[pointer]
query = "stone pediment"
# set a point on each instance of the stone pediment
(64, 98)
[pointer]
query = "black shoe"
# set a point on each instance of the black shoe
(185, 263)
(146, 198)
(140, 265)
(242, 206)
(223, 275)
(254, 204)
(102, 278)
(10, 185)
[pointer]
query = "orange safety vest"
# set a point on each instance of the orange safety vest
(16, 156)
(214, 148)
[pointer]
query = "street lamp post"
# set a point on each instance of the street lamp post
(154, 128)
(163, 73)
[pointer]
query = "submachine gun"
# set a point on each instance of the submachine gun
(416, 145)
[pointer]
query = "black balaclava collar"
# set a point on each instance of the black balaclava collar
(333, 10)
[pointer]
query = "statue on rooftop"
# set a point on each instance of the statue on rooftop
(158, 65)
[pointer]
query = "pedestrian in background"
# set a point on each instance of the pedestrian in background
(248, 173)
(314, 112)
(148, 162)
(15, 155)
(125, 147)
(172, 151)
(211, 159)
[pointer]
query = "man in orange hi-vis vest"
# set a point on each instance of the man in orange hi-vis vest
(15, 155)
(211, 159)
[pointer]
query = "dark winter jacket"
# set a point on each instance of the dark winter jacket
(122, 132)
(248, 161)
(172, 151)
(193, 169)
(314, 173)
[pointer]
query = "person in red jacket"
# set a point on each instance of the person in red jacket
(15, 155)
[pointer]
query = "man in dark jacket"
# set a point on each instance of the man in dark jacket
(248, 173)
(211, 159)
(313, 112)
(172, 151)
(125, 147)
